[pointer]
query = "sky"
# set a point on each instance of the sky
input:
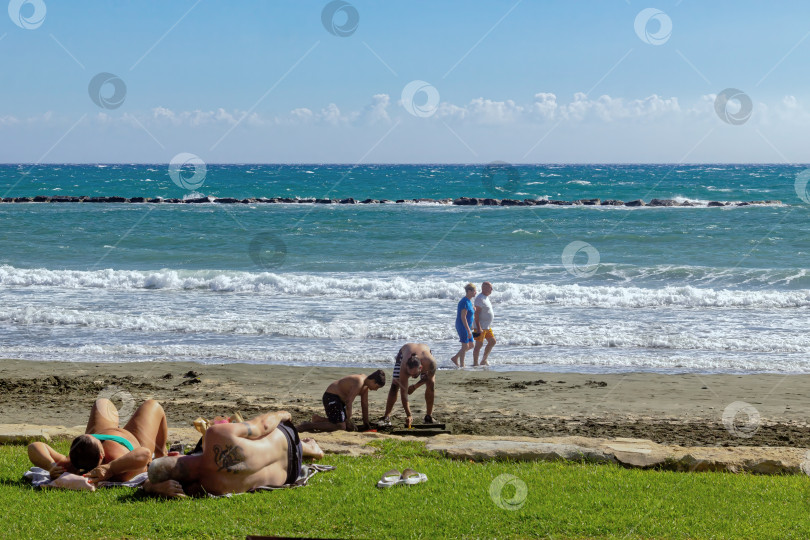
(303, 81)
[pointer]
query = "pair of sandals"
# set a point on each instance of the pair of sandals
(408, 477)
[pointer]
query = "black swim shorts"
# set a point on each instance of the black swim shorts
(295, 452)
(334, 407)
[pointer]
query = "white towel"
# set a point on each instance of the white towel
(41, 478)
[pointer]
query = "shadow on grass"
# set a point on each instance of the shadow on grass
(21, 482)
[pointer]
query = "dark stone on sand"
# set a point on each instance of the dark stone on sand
(199, 200)
(138, 200)
(95, 199)
(23, 199)
(323, 201)
(637, 202)
(42, 198)
(662, 202)
(400, 201)
(117, 199)
(285, 200)
(511, 202)
(190, 374)
(588, 202)
(168, 376)
(383, 201)
(612, 202)
(8, 199)
(687, 203)
(226, 200)
(529, 202)
(64, 199)
(490, 202)
(716, 203)
(348, 201)
(369, 201)
(188, 382)
(560, 203)
(541, 202)
(466, 201)
(306, 200)
(743, 203)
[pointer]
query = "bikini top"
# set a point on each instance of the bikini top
(115, 438)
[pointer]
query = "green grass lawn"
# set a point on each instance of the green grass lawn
(562, 500)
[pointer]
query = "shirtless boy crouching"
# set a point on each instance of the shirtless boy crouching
(338, 400)
(264, 451)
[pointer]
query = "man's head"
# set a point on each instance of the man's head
(469, 289)
(486, 288)
(169, 468)
(86, 453)
(376, 380)
(413, 366)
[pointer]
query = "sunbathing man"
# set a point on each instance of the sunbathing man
(338, 399)
(106, 451)
(235, 458)
(420, 363)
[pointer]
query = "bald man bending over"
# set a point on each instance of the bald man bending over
(418, 362)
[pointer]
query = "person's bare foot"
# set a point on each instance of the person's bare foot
(311, 449)
(453, 359)
(170, 489)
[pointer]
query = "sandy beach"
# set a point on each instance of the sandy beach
(671, 409)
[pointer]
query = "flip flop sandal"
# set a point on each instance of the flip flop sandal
(411, 477)
(384, 422)
(390, 478)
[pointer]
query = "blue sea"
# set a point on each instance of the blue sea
(576, 288)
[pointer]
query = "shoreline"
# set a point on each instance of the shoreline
(685, 409)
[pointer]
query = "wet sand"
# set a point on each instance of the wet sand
(669, 409)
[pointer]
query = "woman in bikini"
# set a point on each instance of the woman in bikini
(106, 451)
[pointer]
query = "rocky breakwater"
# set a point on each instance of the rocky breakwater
(461, 201)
